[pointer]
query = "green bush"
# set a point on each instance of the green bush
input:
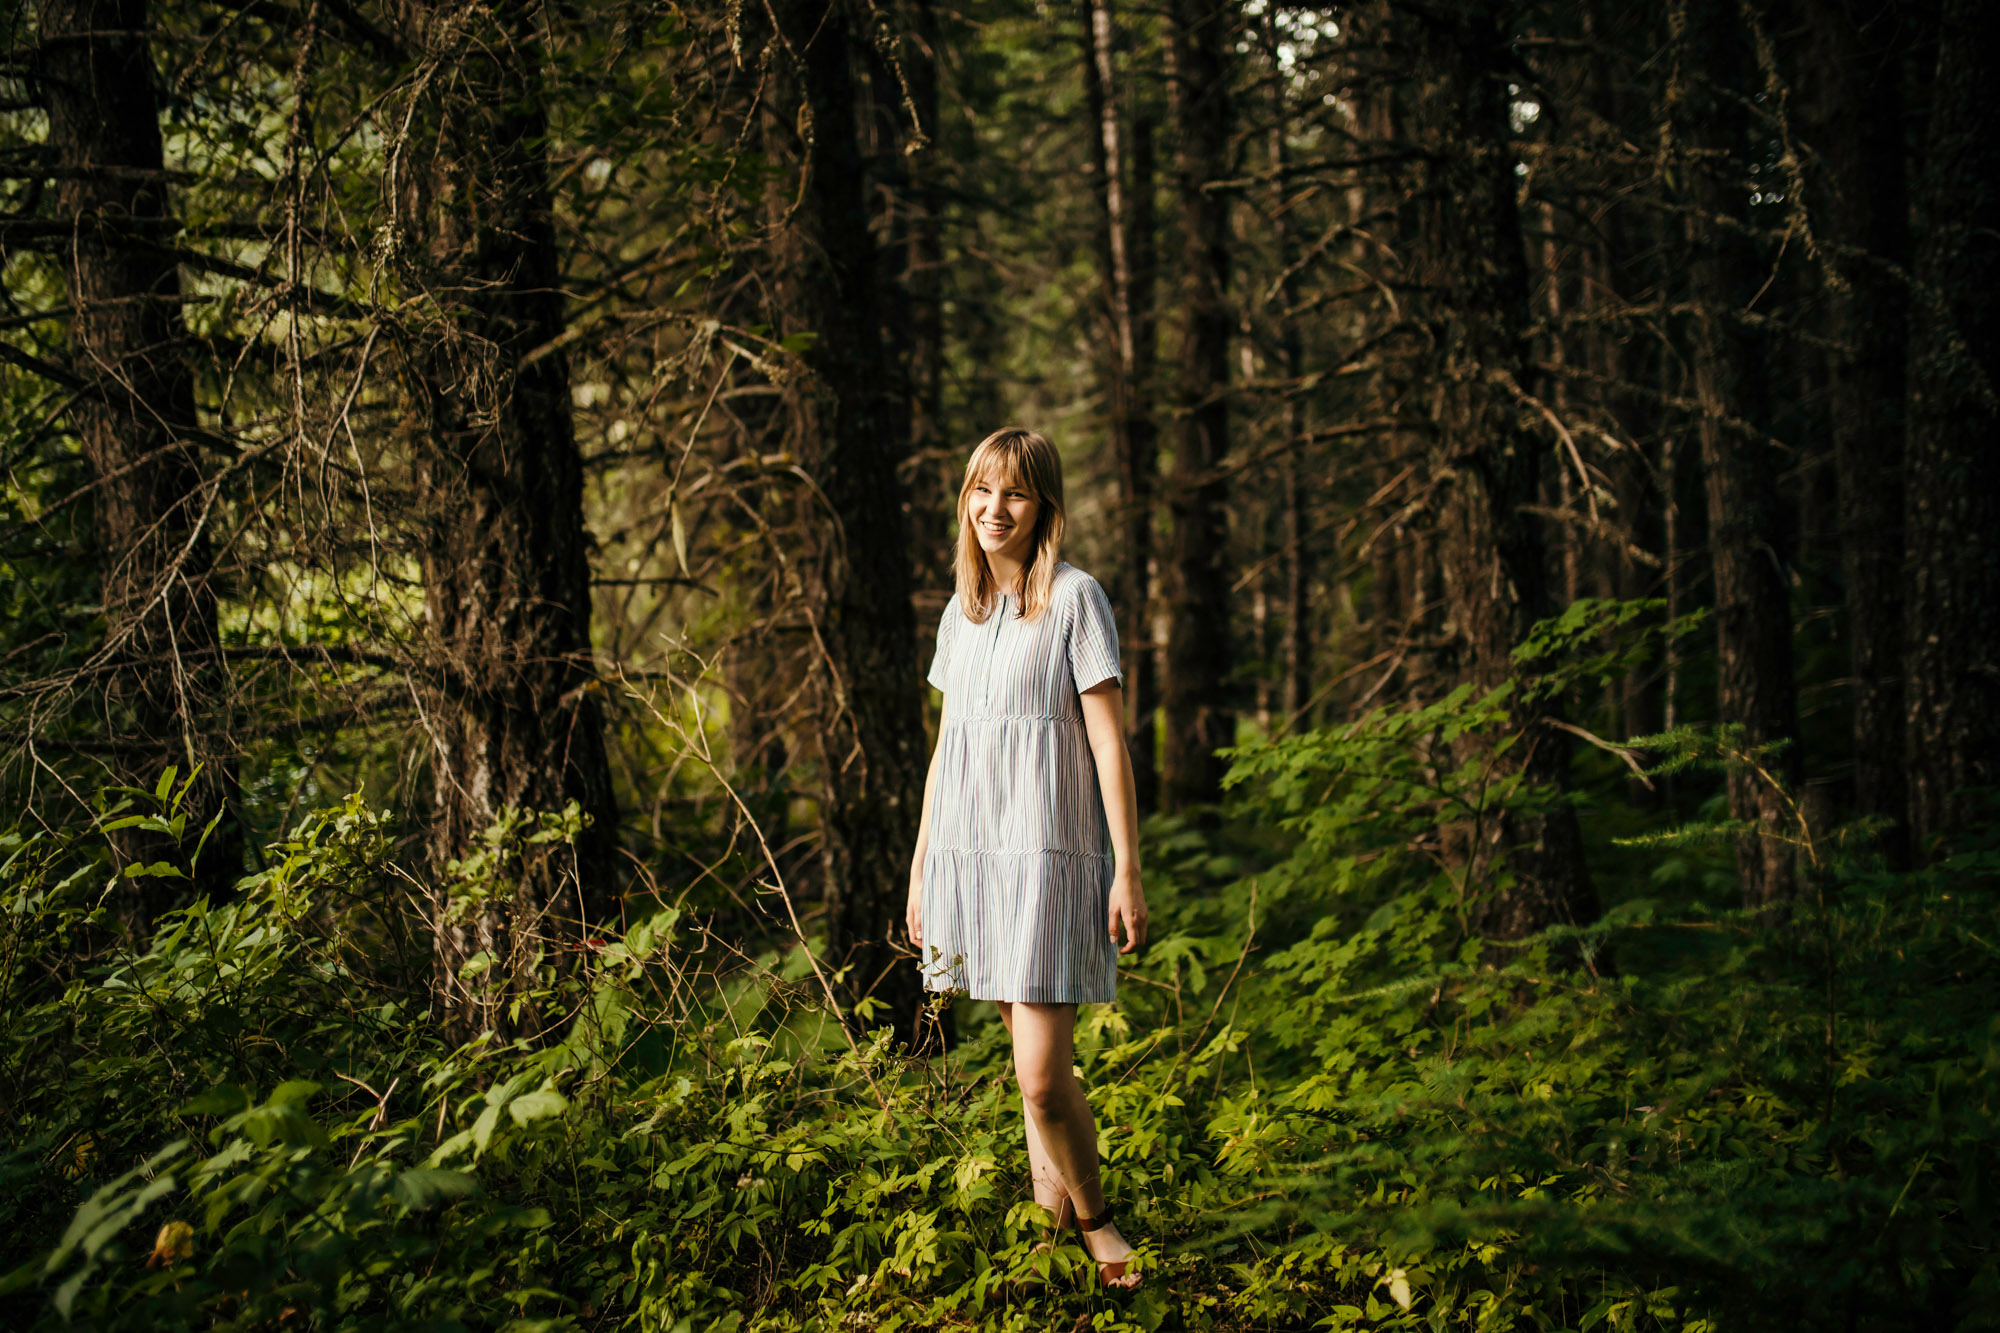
(1323, 1101)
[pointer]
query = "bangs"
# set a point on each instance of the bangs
(1001, 462)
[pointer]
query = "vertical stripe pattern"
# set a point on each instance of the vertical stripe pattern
(1017, 869)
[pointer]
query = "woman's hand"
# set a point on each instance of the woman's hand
(913, 910)
(1128, 911)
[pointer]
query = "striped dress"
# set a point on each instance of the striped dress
(1017, 870)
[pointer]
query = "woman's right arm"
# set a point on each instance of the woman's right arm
(913, 911)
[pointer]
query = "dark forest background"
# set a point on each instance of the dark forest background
(478, 491)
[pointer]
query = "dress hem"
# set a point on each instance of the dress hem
(1033, 996)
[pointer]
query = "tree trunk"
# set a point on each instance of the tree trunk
(514, 718)
(1298, 567)
(1196, 701)
(1139, 477)
(917, 231)
(1400, 605)
(1493, 551)
(1854, 90)
(1622, 258)
(884, 91)
(1125, 249)
(1753, 620)
(925, 279)
(134, 415)
(870, 722)
(1952, 519)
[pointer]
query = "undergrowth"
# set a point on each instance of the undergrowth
(1322, 1101)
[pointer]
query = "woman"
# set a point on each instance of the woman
(1025, 885)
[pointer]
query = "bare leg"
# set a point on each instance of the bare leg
(1042, 1177)
(1042, 1174)
(1060, 1123)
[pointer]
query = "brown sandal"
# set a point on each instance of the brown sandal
(1125, 1265)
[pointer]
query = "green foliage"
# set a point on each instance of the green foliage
(1322, 1101)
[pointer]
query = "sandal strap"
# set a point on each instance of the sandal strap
(1093, 1223)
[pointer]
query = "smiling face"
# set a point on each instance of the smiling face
(1010, 523)
(1003, 513)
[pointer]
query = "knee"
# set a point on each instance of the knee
(1046, 1093)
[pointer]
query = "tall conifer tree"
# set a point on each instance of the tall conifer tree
(135, 416)
(1493, 550)
(1195, 694)
(1952, 592)
(513, 714)
(869, 715)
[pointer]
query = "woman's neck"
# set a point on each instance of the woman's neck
(1007, 574)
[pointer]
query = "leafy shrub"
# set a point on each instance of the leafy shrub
(1322, 1100)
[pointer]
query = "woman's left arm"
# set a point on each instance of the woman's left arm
(1104, 724)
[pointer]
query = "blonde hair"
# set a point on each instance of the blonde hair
(1021, 458)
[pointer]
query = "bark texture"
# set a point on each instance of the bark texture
(134, 415)
(1853, 79)
(1493, 552)
(1290, 347)
(870, 715)
(514, 717)
(1740, 466)
(1125, 260)
(1952, 599)
(924, 281)
(1199, 719)
(1138, 471)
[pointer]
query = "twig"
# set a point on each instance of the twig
(1623, 752)
(698, 747)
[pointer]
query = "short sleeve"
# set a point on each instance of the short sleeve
(1093, 638)
(941, 659)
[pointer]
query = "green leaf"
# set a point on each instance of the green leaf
(66, 1294)
(451, 1147)
(539, 1105)
(424, 1187)
(224, 1099)
(203, 840)
(281, 1120)
(135, 821)
(482, 1128)
(649, 934)
(294, 1092)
